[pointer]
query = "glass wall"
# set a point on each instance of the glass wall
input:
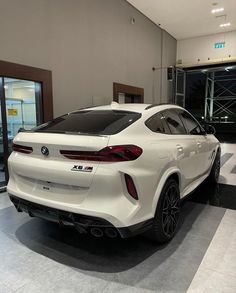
(195, 93)
(215, 87)
(21, 105)
(2, 165)
(21, 100)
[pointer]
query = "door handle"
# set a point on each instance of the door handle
(180, 148)
(199, 144)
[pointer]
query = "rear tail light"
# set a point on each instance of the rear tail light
(108, 154)
(131, 187)
(22, 149)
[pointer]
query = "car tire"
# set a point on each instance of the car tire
(167, 213)
(215, 169)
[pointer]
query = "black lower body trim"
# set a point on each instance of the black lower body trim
(136, 229)
(83, 223)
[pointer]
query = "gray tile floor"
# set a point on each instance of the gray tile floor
(2, 176)
(217, 272)
(38, 256)
(228, 175)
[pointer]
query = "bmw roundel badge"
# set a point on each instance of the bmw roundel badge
(44, 151)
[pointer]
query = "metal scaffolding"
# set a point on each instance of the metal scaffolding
(220, 96)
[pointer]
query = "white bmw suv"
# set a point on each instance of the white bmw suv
(116, 170)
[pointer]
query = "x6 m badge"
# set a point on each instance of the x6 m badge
(82, 168)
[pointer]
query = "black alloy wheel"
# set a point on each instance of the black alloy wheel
(166, 220)
(215, 170)
(170, 211)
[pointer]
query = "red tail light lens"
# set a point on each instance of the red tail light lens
(22, 149)
(109, 154)
(131, 187)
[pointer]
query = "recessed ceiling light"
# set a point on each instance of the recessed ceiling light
(217, 10)
(225, 24)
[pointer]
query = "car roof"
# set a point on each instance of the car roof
(134, 107)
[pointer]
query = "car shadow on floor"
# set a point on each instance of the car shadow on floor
(84, 252)
(219, 195)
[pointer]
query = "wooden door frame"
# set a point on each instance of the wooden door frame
(127, 89)
(13, 70)
(42, 76)
(4, 122)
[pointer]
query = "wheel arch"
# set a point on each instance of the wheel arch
(171, 173)
(217, 151)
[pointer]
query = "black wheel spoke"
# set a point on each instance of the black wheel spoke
(165, 206)
(170, 211)
(168, 200)
(168, 227)
(174, 220)
(177, 211)
(165, 221)
(176, 202)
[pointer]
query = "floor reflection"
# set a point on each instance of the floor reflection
(219, 195)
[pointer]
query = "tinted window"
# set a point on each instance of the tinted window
(174, 122)
(190, 123)
(102, 122)
(157, 124)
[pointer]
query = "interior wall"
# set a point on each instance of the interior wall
(88, 45)
(203, 48)
(168, 59)
(25, 32)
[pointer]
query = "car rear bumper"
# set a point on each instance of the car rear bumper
(83, 223)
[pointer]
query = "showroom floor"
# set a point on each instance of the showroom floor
(38, 256)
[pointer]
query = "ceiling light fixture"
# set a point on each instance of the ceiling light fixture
(225, 24)
(217, 10)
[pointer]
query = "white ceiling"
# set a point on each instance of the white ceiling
(188, 18)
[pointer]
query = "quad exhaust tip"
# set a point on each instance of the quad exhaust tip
(109, 232)
(96, 232)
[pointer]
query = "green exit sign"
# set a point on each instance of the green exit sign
(219, 45)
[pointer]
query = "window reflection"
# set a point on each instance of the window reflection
(20, 105)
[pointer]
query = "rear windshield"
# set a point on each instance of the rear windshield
(97, 122)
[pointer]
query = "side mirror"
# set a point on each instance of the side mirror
(21, 129)
(209, 129)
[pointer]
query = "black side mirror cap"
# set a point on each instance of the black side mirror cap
(209, 129)
(21, 129)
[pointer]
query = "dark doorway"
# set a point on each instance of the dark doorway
(127, 94)
(210, 96)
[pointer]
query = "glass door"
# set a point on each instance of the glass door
(2, 137)
(21, 108)
(2, 161)
(180, 84)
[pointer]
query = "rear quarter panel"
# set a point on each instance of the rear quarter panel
(150, 170)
